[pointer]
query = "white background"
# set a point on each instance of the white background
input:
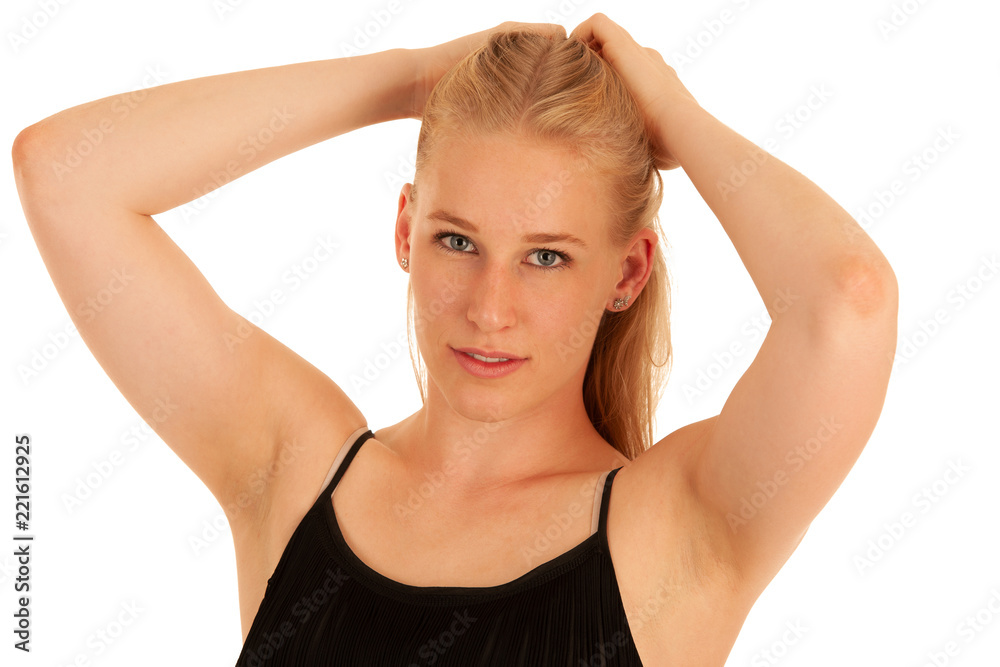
(888, 96)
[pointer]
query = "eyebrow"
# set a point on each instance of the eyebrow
(537, 237)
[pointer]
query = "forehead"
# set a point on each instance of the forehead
(515, 185)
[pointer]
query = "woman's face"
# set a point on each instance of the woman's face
(489, 271)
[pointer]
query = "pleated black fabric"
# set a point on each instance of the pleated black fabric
(324, 606)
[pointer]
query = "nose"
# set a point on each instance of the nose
(493, 304)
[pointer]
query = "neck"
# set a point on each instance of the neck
(478, 455)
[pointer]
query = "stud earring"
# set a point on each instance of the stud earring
(404, 262)
(622, 302)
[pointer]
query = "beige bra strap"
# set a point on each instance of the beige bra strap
(340, 459)
(598, 494)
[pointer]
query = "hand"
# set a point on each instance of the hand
(652, 83)
(433, 62)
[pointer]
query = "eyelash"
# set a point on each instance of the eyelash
(566, 259)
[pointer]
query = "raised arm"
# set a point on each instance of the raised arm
(801, 414)
(225, 396)
(206, 380)
(186, 138)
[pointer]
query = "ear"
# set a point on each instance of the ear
(636, 267)
(403, 223)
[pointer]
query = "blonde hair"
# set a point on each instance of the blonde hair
(561, 92)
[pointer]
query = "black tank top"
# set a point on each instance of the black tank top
(324, 606)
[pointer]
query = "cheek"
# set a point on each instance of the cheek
(571, 332)
(437, 295)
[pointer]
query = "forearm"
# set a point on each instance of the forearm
(798, 245)
(181, 140)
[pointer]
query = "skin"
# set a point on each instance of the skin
(505, 300)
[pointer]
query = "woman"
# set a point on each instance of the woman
(482, 529)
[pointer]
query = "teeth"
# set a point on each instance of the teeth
(489, 359)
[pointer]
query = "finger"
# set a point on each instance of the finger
(594, 29)
(598, 29)
(585, 31)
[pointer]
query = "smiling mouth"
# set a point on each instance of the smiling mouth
(488, 356)
(491, 360)
(488, 367)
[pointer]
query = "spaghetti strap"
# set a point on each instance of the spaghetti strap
(603, 517)
(595, 513)
(346, 453)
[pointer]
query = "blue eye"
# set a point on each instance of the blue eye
(552, 254)
(454, 236)
(464, 243)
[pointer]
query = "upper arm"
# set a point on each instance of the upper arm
(219, 391)
(796, 422)
(745, 484)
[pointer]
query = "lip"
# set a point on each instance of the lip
(491, 354)
(485, 369)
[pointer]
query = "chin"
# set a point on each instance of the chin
(479, 403)
(471, 397)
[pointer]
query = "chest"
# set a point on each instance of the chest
(678, 610)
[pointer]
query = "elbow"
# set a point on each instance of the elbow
(38, 183)
(867, 287)
(20, 152)
(26, 154)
